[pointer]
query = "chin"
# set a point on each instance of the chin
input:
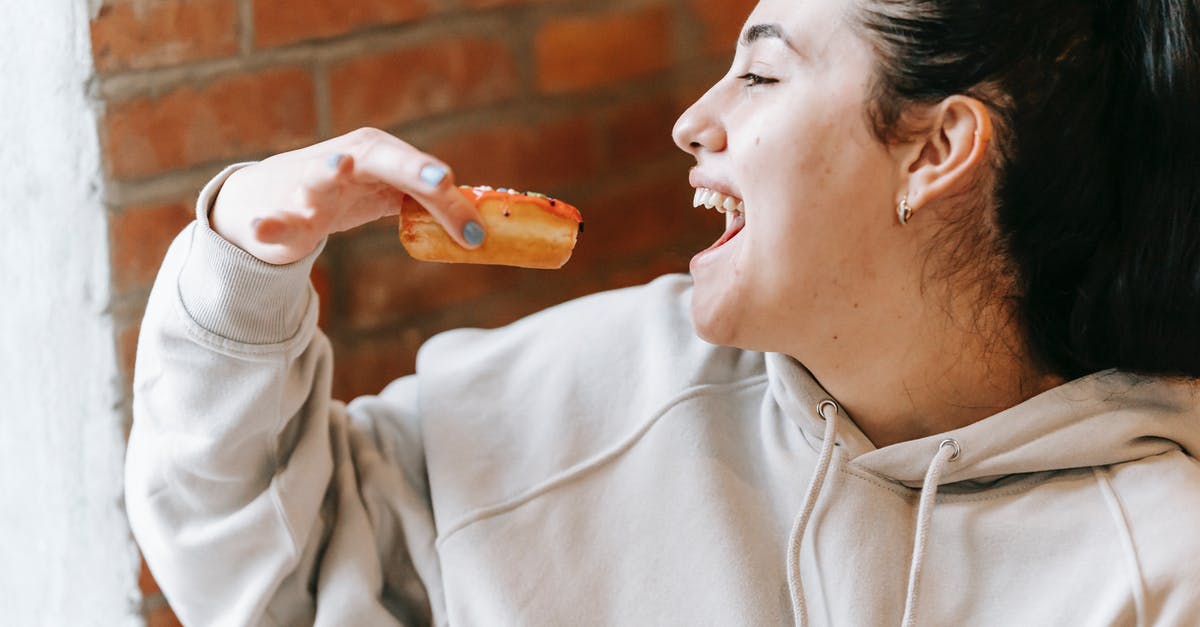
(719, 290)
(712, 317)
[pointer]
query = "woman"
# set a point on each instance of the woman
(975, 226)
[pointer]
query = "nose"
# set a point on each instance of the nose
(699, 129)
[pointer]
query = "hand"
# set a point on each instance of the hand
(279, 209)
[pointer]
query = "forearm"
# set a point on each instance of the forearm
(231, 375)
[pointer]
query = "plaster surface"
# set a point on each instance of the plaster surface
(66, 554)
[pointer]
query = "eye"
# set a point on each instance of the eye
(754, 80)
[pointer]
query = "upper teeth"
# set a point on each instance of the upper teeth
(716, 200)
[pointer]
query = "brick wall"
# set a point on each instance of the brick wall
(572, 98)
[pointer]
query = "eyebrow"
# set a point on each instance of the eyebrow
(765, 31)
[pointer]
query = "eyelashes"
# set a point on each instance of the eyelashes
(754, 80)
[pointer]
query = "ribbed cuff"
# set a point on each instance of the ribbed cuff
(233, 294)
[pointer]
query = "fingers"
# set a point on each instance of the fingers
(429, 181)
(322, 190)
(324, 178)
(460, 218)
(281, 229)
(312, 209)
(345, 182)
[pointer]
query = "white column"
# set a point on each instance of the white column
(66, 554)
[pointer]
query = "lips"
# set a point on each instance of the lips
(733, 225)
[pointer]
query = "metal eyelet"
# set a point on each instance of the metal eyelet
(952, 443)
(827, 404)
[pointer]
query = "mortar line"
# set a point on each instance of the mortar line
(324, 103)
(245, 27)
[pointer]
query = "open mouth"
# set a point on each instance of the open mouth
(733, 208)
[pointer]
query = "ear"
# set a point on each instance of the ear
(946, 157)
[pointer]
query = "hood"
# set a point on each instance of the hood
(1106, 418)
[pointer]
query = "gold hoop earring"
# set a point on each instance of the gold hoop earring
(904, 211)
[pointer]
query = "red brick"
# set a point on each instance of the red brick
(272, 110)
(630, 222)
(367, 366)
(488, 4)
(646, 271)
(132, 35)
(279, 22)
(534, 157)
(320, 282)
(387, 89)
(579, 53)
(538, 290)
(127, 341)
(722, 21)
(140, 237)
(146, 581)
(388, 287)
(641, 131)
(162, 617)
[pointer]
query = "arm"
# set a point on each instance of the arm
(257, 499)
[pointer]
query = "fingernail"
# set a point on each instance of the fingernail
(473, 233)
(336, 161)
(433, 174)
(255, 222)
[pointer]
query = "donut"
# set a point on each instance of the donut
(527, 230)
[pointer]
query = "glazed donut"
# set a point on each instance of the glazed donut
(527, 230)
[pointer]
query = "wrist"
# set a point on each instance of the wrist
(222, 210)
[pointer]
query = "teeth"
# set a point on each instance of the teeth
(716, 200)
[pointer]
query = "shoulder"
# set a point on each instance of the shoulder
(1159, 497)
(505, 409)
(1161, 491)
(617, 337)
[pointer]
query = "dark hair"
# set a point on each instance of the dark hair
(1096, 105)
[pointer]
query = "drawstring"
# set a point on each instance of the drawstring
(799, 610)
(948, 451)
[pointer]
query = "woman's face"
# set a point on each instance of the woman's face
(785, 132)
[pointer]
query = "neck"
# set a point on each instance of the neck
(934, 380)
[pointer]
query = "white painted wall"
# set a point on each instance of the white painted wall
(66, 555)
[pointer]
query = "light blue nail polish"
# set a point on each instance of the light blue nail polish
(336, 160)
(473, 233)
(433, 174)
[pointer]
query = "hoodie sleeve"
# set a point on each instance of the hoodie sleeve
(255, 498)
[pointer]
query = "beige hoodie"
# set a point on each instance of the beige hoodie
(598, 464)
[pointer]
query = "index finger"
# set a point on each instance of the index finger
(429, 181)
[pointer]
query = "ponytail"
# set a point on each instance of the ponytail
(1139, 308)
(1097, 193)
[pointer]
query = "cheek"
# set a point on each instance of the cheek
(791, 164)
(789, 186)
(824, 160)
(819, 205)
